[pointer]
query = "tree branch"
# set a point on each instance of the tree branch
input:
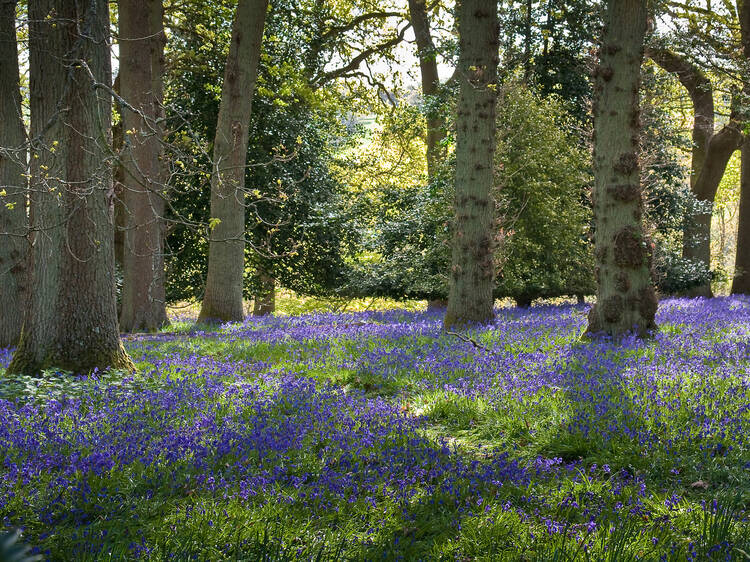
(338, 29)
(720, 148)
(467, 339)
(359, 59)
(694, 81)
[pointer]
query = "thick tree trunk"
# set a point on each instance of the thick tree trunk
(72, 320)
(741, 281)
(222, 301)
(143, 294)
(13, 221)
(430, 83)
(265, 299)
(710, 155)
(472, 272)
(47, 78)
(625, 299)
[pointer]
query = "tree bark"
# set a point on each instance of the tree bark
(72, 319)
(700, 90)
(709, 158)
(435, 153)
(13, 186)
(472, 272)
(527, 39)
(222, 301)
(265, 299)
(697, 234)
(118, 173)
(143, 294)
(625, 299)
(741, 281)
(430, 83)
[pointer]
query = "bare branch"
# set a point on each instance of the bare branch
(338, 29)
(353, 65)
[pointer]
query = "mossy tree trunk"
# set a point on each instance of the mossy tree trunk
(741, 281)
(709, 158)
(72, 319)
(625, 299)
(472, 274)
(222, 301)
(13, 186)
(143, 293)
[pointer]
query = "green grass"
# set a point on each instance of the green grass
(181, 523)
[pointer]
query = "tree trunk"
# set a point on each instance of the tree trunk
(436, 304)
(430, 87)
(143, 294)
(222, 301)
(430, 83)
(697, 235)
(118, 174)
(625, 299)
(72, 320)
(527, 39)
(523, 301)
(472, 269)
(699, 87)
(265, 299)
(710, 155)
(13, 221)
(741, 281)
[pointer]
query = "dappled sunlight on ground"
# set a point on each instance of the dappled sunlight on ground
(521, 440)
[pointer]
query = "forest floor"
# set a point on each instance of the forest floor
(376, 436)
